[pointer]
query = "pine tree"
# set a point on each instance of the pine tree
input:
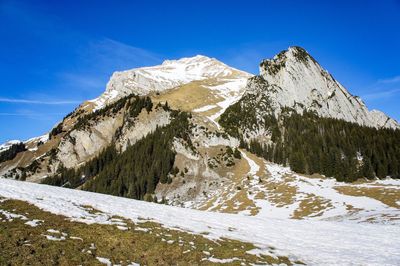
(367, 170)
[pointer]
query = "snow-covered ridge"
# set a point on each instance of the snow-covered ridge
(170, 74)
(42, 138)
(313, 242)
(8, 144)
(303, 83)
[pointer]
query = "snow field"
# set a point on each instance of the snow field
(314, 242)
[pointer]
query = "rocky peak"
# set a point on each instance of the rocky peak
(303, 83)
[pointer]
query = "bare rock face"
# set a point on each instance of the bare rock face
(81, 145)
(300, 82)
(144, 125)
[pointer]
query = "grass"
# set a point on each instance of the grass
(388, 196)
(189, 96)
(311, 206)
(146, 243)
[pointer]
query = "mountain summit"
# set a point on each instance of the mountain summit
(300, 82)
(168, 75)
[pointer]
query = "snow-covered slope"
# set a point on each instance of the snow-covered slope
(168, 75)
(301, 82)
(313, 242)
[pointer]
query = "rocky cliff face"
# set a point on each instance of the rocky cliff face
(300, 82)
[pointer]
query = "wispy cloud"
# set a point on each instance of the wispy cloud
(28, 101)
(381, 94)
(383, 89)
(111, 55)
(395, 79)
(98, 59)
(82, 81)
(31, 114)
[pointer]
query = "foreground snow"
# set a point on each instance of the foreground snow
(314, 242)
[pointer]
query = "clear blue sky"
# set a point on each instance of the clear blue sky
(56, 54)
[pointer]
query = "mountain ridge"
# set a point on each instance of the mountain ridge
(111, 93)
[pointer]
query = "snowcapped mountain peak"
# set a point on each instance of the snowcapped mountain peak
(168, 75)
(197, 67)
(303, 83)
(189, 60)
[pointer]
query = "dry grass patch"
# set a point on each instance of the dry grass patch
(312, 206)
(189, 96)
(147, 243)
(261, 163)
(280, 194)
(388, 196)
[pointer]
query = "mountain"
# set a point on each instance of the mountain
(194, 81)
(301, 83)
(170, 74)
(197, 133)
(296, 114)
(284, 167)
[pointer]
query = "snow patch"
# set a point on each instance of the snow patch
(204, 108)
(104, 261)
(223, 261)
(34, 223)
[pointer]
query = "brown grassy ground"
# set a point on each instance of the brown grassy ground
(189, 96)
(387, 196)
(147, 243)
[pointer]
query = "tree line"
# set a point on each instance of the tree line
(311, 144)
(12, 151)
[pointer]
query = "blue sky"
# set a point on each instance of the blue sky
(56, 54)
